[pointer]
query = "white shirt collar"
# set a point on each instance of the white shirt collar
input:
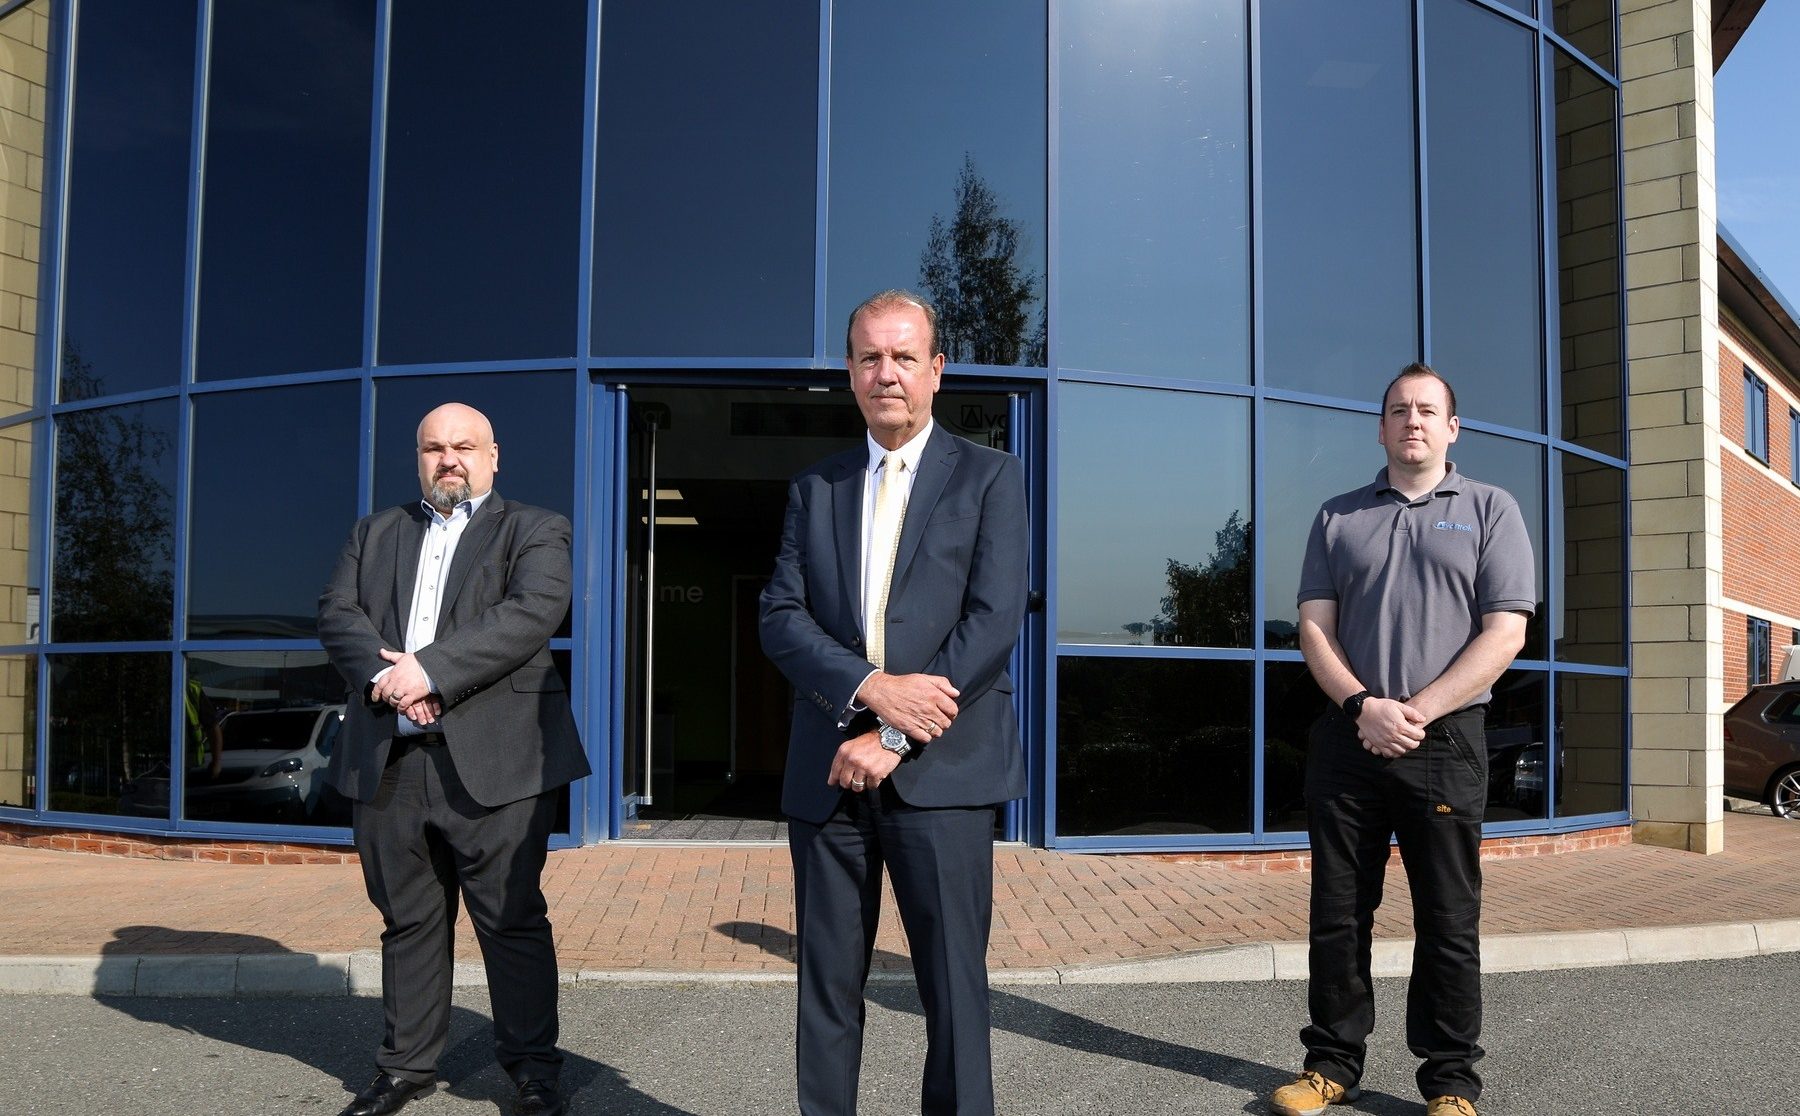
(910, 452)
(468, 507)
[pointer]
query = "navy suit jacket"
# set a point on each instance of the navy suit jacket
(506, 719)
(954, 608)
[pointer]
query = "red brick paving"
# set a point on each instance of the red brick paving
(730, 909)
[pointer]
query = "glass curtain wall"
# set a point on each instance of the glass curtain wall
(1263, 212)
(1199, 236)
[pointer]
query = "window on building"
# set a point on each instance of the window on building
(1756, 653)
(1756, 416)
(1794, 446)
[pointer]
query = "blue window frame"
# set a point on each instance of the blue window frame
(1756, 416)
(1756, 652)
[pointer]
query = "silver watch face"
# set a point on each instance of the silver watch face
(893, 739)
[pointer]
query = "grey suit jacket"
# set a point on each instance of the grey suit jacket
(506, 718)
(954, 609)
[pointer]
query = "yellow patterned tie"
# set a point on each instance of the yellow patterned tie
(884, 543)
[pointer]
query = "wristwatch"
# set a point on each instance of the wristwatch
(1354, 703)
(894, 740)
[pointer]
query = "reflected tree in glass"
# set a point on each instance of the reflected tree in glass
(1209, 603)
(973, 268)
(114, 510)
(109, 734)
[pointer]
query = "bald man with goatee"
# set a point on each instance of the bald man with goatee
(457, 744)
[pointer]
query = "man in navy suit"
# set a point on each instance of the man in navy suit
(894, 607)
(456, 747)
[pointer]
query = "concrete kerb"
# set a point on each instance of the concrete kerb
(359, 974)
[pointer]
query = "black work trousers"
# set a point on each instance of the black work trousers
(1431, 800)
(424, 842)
(941, 862)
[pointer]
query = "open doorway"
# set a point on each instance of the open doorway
(706, 714)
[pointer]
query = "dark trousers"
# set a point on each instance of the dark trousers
(423, 840)
(941, 862)
(1431, 800)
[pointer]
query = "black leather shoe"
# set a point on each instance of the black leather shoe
(385, 1094)
(539, 1098)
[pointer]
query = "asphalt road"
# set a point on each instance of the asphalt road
(1702, 1038)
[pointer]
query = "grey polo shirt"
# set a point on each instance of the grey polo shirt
(1412, 579)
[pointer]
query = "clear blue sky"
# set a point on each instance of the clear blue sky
(1756, 107)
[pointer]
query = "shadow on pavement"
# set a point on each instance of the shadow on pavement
(339, 1039)
(1029, 1018)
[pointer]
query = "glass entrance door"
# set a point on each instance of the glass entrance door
(705, 715)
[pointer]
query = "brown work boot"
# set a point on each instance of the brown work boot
(1311, 1092)
(1449, 1106)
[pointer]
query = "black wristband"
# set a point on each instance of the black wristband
(1354, 703)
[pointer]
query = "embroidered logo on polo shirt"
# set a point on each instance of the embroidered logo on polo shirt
(1442, 809)
(1446, 525)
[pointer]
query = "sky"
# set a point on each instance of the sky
(1756, 102)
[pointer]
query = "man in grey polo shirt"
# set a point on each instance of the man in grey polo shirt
(1413, 600)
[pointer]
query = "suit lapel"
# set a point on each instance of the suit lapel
(846, 516)
(935, 466)
(408, 541)
(469, 549)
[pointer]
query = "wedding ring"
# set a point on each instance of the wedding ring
(857, 784)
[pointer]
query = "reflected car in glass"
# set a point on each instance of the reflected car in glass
(1762, 747)
(273, 770)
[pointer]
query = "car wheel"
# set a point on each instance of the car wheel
(1784, 794)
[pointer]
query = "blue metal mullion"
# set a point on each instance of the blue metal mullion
(184, 417)
(1549, 249)
(58, 111)
(1040, 826)
(584, 804)
(822, 188)
(1422, 183)
(614, 500)
(286, 379)
(1580, 56)
(1258, 377)
(146, 395)
(377, 186)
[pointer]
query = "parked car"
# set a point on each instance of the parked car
(273, 770)
(1762, 747)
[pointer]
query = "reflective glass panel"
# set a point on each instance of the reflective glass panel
(1152, 746)
(128, 197)
(689, 261)
(1590, 622)
(1310, 454)
(287, 187)
(264, 538)
(1588, 26)
(938, 127)
(24, 93)
(1590, 354)
(259, 728)
(21, 598)
(1340, 220)
(114, 544)
(109, 734)
(1517, 467)
(481, 217)
(1590, 732)
(1153, 162)
(1292, 701)
(1518, 760)
(18, 731)
(1482, 163)
(533, 415)
(1153, 517)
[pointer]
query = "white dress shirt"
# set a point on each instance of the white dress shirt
(435, 554)
(910, 454)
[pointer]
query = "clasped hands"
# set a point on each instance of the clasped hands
(1390, 728)
(405, 687)
(920, 705)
